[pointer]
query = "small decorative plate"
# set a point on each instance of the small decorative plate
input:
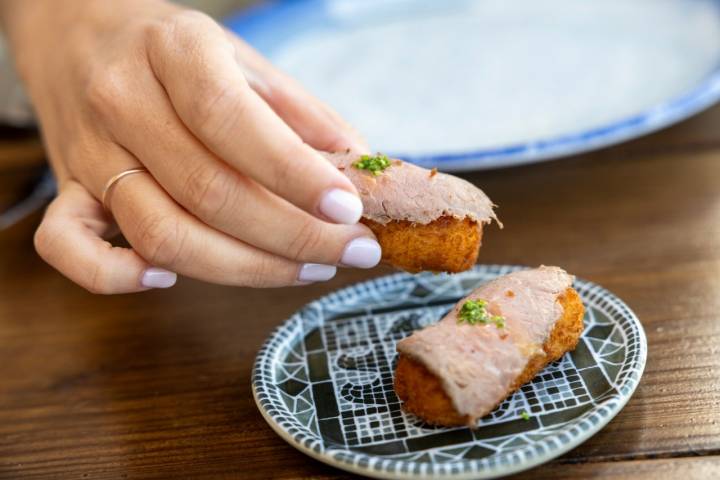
(324, 383)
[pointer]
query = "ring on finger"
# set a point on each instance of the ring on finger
(107, 190)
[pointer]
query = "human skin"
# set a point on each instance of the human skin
(235, 193)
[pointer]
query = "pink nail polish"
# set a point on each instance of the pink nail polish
(341, 206)
(362, 253)
(155, 277)
(316, 272)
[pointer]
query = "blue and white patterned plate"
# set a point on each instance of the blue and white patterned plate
(324, 383)
(475, 84)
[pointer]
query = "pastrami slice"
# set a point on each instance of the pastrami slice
(404, 191)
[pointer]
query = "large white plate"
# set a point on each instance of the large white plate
(463, 84)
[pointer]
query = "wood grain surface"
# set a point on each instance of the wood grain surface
(157, 385)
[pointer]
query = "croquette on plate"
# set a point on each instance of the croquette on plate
(495, 340)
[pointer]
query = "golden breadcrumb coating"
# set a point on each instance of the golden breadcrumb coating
(446, 244)
(424, 396)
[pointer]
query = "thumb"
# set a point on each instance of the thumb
(70, 239)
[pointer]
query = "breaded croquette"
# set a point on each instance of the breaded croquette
(456, 371)
(423, 220)
(443, 245)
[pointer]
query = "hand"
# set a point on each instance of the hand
(235, 191)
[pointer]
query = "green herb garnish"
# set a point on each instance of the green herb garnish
(498, 321)
(525, 415)
(475, 312)
(375, 164)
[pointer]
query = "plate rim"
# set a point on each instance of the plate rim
(663, 114)
(325, 455)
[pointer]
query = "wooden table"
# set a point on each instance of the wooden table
(157, 385)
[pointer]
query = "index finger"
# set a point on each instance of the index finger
(194, 60)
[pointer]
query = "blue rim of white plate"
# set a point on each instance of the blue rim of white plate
(264, 25)
(397, 293)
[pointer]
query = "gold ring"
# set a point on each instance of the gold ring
(111, 183)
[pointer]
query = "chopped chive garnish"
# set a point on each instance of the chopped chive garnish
(475, 312)
(498, 321)
(375, 164)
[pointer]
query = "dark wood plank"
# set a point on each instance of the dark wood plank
(664, 469)
(157, 384)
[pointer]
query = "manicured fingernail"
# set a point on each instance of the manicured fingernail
(316, 272)
(155, 277)
(362, 253)
(341, 206)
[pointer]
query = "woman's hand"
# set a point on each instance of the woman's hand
(236, 193)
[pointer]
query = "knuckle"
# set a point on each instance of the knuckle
(43, 240)
(157, 34)
(218, 107)
(285, 171)
(212, 95)
(208, 191)
(192, 19)
(161, 239)
(195, 42)
(260, 274)
(177, 28)
(107, 91)
(307, 242)
(100, 281)
(188, 21)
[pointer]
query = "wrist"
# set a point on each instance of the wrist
(15, 15)
(21, 20)
(36, 28)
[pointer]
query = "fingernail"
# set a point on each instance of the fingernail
(362, 253)
(341, 206)
(155, 277)
(316, 272)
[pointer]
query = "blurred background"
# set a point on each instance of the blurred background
(469, 85)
